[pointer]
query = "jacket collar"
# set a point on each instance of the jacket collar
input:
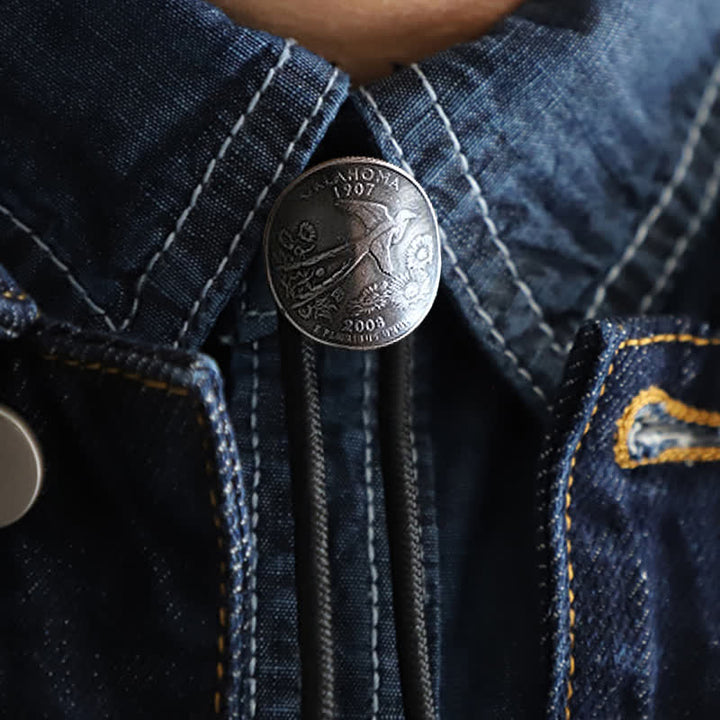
(142, 145)
(569, 155)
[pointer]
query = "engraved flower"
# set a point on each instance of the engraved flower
(299, 245)
(306, 232)
(372, 297)
(419, 253)
(321, 308)
(408, 289)
(324, 307)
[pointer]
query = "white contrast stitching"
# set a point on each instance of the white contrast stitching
(255, 442)
(521, 285)
(455, 264)
(243, 296)
(258, 202)
(259, 313)
(170, 239)
(388, 130)
(483, 314)
(97, 310)
(686, 158)
(370, 494)
(706, 205)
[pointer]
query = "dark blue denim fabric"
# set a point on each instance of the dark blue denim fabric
(140, 144)
(571, 155)
(112, 585)
(632, 552)
(364, 628)
(18, 311)
(544, 146)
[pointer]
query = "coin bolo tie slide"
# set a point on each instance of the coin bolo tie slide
(352, 251)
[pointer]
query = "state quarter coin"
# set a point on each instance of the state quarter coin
(352, 251)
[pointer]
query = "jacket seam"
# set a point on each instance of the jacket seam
(477, 193)
(455, 263)
(10, 295)
(152, 383)
(570, 572)
(211, 473)
(199, 188)
(687, 155)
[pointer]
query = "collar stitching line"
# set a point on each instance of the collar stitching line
(258, 202)
(455, 264)
(180, 222)
(678, 177)
(476, 191)
(683, 242)
(64, 269)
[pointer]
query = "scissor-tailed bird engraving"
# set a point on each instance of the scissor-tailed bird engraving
(380, 232)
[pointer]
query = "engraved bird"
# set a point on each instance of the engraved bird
(381, 232)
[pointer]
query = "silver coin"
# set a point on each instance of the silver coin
(352, 251)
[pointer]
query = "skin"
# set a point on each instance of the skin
(366, 37)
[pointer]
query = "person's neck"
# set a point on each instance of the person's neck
(366, 37)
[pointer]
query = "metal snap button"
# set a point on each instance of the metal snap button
(352, 251)
(20, 467)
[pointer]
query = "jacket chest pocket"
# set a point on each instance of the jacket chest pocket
(117, 583)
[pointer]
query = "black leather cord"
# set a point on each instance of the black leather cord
(404, 532)
(312, 555)
(312, 573)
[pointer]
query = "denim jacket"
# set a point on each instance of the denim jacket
(566, 384)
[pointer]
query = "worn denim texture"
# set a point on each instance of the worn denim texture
(112, 588)
(631, 550)
(572, 158)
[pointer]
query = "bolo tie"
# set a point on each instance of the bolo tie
(352, 253)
